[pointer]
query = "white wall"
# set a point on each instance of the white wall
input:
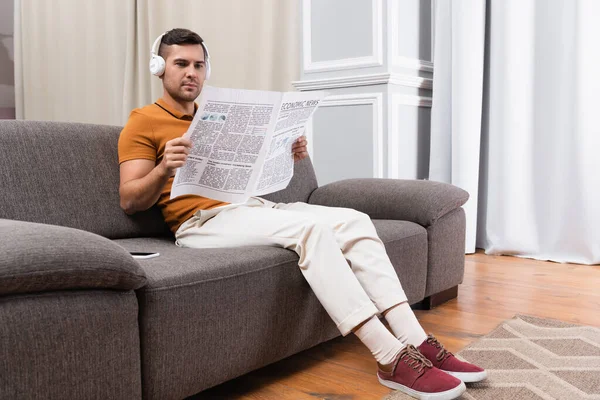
(374, 58)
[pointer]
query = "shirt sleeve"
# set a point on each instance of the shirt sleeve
(136, 140)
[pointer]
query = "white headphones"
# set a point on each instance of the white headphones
(157, 63)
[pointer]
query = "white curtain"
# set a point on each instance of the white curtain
(514, 123)
(87, 61)
(69, 59)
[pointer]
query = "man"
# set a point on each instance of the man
(341, 257)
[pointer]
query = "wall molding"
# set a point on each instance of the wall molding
(393, 132)
(433, 13)
(411, 81)
(375, 100)
(395, 58)
(365, 80)
(410, 100)
(412, 63)
(373, 60)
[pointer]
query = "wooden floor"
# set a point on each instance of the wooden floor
(494, 289)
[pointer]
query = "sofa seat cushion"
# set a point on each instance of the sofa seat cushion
(177, 266)
(406, 245)
(239, 309)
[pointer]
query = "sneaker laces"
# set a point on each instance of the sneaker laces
(413, 358)
(443, 353)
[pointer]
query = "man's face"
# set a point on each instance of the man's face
(185, 71)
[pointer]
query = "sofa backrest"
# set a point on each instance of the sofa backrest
(67, 174)
(301, 186)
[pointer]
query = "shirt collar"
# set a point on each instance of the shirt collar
(177, 114)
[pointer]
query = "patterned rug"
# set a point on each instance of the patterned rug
(532, 358)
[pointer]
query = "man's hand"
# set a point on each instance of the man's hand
(142, 181)
(299, 148)
(176, 152)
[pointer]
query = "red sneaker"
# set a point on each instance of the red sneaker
(447, 362)
(414, 375)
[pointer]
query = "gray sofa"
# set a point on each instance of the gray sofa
(81, 319)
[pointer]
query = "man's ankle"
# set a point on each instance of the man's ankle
(386, 368)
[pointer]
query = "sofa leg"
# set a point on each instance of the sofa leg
(437, 299)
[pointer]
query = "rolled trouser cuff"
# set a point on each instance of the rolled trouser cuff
(390, 301)
(353, 320)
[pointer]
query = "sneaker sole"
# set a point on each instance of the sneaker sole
(447, 395)
(469, 377)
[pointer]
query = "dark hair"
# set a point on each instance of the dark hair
(180, 36)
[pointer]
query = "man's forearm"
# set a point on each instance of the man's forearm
(141, 194)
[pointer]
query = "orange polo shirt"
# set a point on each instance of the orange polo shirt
(144, 137)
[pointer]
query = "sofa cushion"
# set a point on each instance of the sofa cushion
(406, 245)
(39, 258)
(249, 300)
(67, 174)
(420, 201)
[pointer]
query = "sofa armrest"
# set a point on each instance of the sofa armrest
(419, 201)
(38, 257)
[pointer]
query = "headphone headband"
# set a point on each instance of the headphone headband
(156, 42)
(157, 63)
(206, 53)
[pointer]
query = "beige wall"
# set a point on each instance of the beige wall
(7, 82)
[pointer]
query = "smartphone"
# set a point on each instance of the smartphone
(143, 255)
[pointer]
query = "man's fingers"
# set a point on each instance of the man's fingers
(180, 142)
(299, 149)
(178, 149)
(176, 157)
(300, 155)
(301, 141)
(299, 146)
(175, 164)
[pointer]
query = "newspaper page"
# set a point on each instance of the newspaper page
(277, 171)
(241, 141)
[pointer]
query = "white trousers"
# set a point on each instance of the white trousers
(341, 257)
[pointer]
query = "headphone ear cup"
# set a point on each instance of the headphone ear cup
(157, 65)
(207, 75)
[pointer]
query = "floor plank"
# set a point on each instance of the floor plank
(495, 288)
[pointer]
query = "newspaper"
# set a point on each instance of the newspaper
(242, 143)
